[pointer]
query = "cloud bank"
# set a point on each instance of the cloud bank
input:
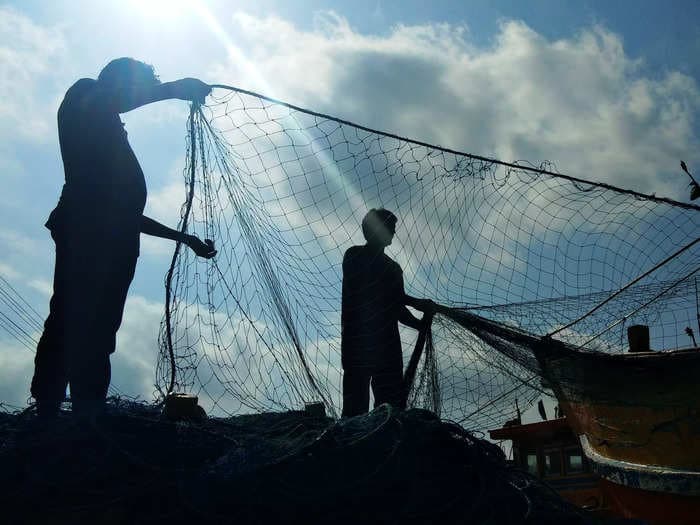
(580, 102)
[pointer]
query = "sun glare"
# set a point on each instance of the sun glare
(164, 10)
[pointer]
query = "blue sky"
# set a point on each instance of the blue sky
(607, 90)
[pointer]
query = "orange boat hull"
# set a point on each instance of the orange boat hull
(640, 434)
(656, 508)
(640, 408)
(638, 419)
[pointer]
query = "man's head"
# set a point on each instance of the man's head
(379, 226)
(125, 73)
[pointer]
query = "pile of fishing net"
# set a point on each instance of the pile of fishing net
(134, 466)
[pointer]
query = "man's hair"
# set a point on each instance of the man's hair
(125, 71)
(376, 222)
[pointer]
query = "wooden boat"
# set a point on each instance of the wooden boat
(638, 419)
(637, 416)
(551, 451)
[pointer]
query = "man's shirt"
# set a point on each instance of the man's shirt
(105, 191)
(373, 298)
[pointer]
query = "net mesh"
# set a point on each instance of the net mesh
(282, 191)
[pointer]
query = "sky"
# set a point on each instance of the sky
(608, 91)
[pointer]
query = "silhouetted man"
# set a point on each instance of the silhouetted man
(374, 302)
(96, 228)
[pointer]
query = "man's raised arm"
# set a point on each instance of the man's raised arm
(121, 99)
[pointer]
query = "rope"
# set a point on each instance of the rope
(628, 285)
(655, 298)
(423, 335)
(471, 156)
(194, 110)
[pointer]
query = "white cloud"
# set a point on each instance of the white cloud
(15, 242)
(42, 286)
(8, 271)
(164, 205)
(16, 369)
(134, 361)
(580, 102)
(30, 58)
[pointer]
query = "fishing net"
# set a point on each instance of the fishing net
(290, 467)
(282, 191)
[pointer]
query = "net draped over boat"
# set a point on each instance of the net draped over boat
(503, 248)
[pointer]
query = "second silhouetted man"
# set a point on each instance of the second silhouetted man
(373, 304)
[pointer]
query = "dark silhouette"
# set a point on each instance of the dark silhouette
(374, 302)
(96, 227)
(694, 186)
(517, 420)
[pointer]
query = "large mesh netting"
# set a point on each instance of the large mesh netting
(282, 192)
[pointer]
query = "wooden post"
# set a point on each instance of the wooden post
(638, 337)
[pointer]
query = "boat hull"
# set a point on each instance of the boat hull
(638, 418)
(639, 408)
(655, 508)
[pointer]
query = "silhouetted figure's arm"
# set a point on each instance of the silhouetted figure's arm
(201, 248)
(121, 100)
(407, 318)
(424, 305)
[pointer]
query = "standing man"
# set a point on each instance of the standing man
(96, 228)
(374, 302)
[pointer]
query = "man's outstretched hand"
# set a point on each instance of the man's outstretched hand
(190, 89)
(202, 249)
(426, 305)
